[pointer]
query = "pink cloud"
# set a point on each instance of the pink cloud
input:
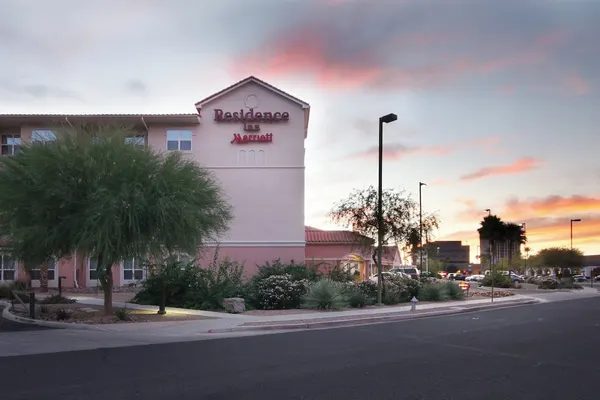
(577, 85)
(517, 167)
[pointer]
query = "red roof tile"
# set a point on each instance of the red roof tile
(319, 236)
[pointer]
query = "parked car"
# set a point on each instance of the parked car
(597, 279)
(375, 278)
(474, 278)
(458, 277)
(579, 278)
(408, 272)
(516, 278)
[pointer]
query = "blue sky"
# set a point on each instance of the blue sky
(505, 91)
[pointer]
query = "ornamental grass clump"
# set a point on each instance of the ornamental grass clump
(454, 291)
(325, 294)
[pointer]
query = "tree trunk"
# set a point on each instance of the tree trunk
(81, 264)
(108, 291)
(44, 277)
(163, 299)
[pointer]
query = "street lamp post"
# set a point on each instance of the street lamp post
(573, 220)
(489, 212)
(524, 230)
(421, 184)
(386, 119)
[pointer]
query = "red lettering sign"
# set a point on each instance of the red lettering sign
(241, 139)
(250, 116)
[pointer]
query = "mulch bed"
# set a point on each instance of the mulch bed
(89, 314)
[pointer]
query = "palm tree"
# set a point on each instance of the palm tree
(492, 229)
(92, 192)
(514, 235)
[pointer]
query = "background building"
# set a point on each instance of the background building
(451, 253)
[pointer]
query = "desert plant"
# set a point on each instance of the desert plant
(434, 292)
(123, 314)
(338, 273)
(63, 314)
(44, 309)
(325, 294)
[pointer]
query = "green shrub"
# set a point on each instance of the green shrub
(339, 274)
(4, 291)
(190, 286)
(325, 294)
(296, 271)
(454, 291)
(548, 283)
(56, 299)
(357, 299)
(280, 292)
(398, 289)
(499, 280)
(368, 288)
(434, 292)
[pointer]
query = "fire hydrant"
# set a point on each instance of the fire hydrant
(413, 304)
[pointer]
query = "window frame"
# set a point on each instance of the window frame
(37, 140)
(132, 140)
(7, 145)
(54, 270)
(179, 139)
(135, 261)
(3, 257)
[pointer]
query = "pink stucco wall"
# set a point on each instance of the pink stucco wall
(254, 256)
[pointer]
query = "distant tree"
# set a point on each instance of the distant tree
(563, 260)
(95, 192)
(492, 229)
(400, 218)
(515, 234)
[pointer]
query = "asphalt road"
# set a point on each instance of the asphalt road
(546, 351)
(9, 326)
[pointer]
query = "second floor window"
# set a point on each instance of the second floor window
(179, 140)
(42, 136)
(10, 145)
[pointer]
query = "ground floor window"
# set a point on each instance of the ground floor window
(133, 269)
(7, 268)
(93, 269)
(36, 275)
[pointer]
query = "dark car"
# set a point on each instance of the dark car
(412, 272)
(516, 278)
(458, 277)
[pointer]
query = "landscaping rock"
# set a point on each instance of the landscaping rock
(234, 305)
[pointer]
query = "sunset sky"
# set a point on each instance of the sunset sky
(497, 99)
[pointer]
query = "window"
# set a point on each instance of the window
(251, 157)
(42, 136)
(136, 140)
(242, 157)
(133, 269)
(7, 268)
(93, 267)
(35, 272)
(11, 144)
(179, 140)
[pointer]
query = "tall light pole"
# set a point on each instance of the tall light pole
(386, 119)
(489, 212)
(573, 220)
(421, 184)
(524, 230)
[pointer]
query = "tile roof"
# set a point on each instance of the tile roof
(320, 236)
(102, 115)
(243, 82)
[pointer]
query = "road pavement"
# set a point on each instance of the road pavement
(544, 351)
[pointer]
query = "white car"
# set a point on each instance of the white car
(474, 278)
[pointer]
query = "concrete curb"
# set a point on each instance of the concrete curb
(373, 320)
(7, 315)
